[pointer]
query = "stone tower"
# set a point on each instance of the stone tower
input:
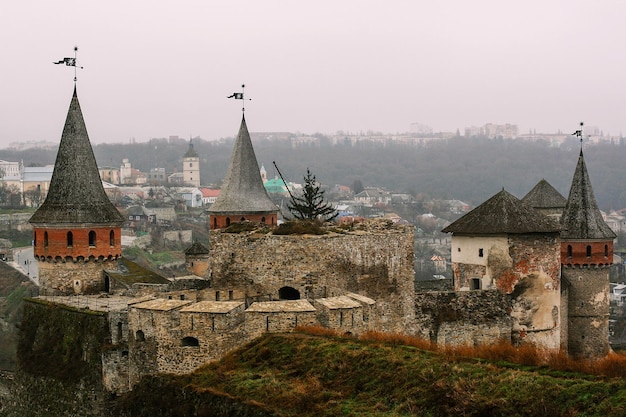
(506, 245)
(586, 257)
(77, 230)
(243, 196)
(197, 259)
(191, 167)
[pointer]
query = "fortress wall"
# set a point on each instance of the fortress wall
(377, 263)
(463, 318)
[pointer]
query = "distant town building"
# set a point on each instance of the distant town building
(191, 167)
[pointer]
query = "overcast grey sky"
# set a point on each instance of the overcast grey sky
(156, 68)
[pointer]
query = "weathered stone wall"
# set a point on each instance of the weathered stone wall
(377, 263)
(588, 314)
(73, 277)
(463, 318)
(528, 268)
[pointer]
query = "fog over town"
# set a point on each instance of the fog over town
(153, 69)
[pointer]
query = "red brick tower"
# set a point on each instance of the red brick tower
(77, 230)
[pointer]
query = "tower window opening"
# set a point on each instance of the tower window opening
(45, 239)
(227, 221)
(214, 222)
(588, 251)
(569, 251)
(606, 251)
(475, 284)
(70, 239)
(481, 253)
(112, 238)
(92, 238)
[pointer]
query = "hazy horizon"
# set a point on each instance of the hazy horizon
(155, 69)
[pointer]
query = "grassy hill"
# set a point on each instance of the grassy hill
(304, 374)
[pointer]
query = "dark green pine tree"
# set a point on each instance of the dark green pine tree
(311, 205)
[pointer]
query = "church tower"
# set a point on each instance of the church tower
(77, 230)
(191, 167)
(243, 196)
(586, 257)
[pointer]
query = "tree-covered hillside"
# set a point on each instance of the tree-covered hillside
(467, 169)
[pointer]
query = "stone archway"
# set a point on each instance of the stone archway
(288, 293)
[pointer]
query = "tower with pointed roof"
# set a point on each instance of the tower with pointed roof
(506, 245)
(586, 256)
(77, 230)
(191, 167)
(243, 196)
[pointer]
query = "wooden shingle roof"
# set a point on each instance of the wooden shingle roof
(544, 195)
(503, 214)
(76, 194)
(582, 218)
(243, 190)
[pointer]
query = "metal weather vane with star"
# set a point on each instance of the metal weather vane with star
(70, 62)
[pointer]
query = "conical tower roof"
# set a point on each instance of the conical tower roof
(543, 196)
(76, 194)
(191, 153)
(503, 214)
(582, 218)
(243, 190)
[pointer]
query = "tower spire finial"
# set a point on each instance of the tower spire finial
(240, 96)
(70, 62)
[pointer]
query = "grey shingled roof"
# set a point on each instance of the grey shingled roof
(197, 248)
(76, 194)
(582, 218)
(503, 214)
(544, 195)
(243, 190)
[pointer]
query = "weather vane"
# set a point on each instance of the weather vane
(70, 62)
(240, 96)
(579, 133)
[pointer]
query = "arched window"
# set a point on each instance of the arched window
(606, 251)
(214, 222)
(588, 251)
(227, 221)
(189, 341)
(112, 238)
(45, 239)
(92, 238)
(569, 251)
(70, 239)
(140, 336)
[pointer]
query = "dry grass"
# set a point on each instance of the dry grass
(613, 365)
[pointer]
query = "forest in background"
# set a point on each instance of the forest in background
(471, 169)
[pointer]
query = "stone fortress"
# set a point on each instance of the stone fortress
(519, 273)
